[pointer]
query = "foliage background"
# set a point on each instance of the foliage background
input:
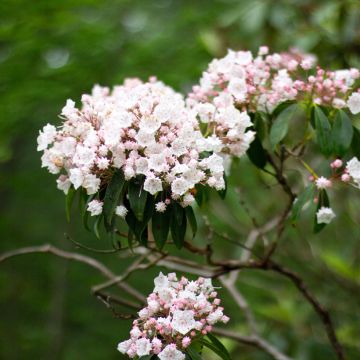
(54, 50)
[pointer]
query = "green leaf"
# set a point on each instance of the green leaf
(178, 225)
(201, 195)
(280, 126)
(355, 145)
(323, 131)
(342, 133)
(193, 353)
(69, 201)
(137, 197)
(138, 227)
(192, 219)
(160, 227)
(97, 225)
(112, 195)
(214, 347)
(219, 345)
(323, 201)
(257, 154)
(146, 357)
(281, 107)
(307, 195)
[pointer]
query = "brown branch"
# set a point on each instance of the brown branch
(252, 340)
(76, 257)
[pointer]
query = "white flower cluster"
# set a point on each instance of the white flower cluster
(325, 215)
(142, 128)
(177, 313)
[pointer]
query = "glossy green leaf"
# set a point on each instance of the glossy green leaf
(112, 195)
(323, 131)
(97, 226)
(306, 196)
(342, 133)
(192, 219)
(137, 197)
(69, 201)
(214, 347)
(280, 126)
(220, 346)
(160, 227)
(193, 353)
(178, 225)
(257, 154)
(355, 144)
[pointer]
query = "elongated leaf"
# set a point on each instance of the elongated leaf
(178, 225)
(307, 195)
(281, 107)
(257, 154)
(342, 133)
(192, 219)
(201, 195)
(323, 201)
(97, 225)
(223, 354)
(323, 131)
(160, 227)
(280, 127)
(219, 345)
(138, 227)
(193, 353)
(84, 201)
(355, 145)
(69, 201)
(137, 197)
(112, 195)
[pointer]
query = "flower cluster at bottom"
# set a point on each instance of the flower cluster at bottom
(177, 313)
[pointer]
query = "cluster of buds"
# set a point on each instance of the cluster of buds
(349, 173)
(144, 129)
(177, 313)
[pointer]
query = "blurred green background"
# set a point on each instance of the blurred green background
(54, 50)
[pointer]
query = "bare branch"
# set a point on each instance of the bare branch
(76, 257)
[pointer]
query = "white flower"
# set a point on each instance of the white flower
(214, 317)
(171, 353)
(95, 207)
(353, 168)
(180, 186)
(323, 183)
(160, 207)
(143, 347)
(76, 177)
(124, 346)
(91, 184)
(325, 215)
(183, 321)
(63, 183)
(152, 185)
(46, 137)
(121, 211)
(354, 103)
(237, 87)
(161, 282)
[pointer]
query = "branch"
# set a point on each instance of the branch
(76, 257)
(252, 340)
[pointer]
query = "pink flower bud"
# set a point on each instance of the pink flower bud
(345, 177)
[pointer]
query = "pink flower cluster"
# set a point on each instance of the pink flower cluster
(250, 84)
(177, 313)
(141, 128)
